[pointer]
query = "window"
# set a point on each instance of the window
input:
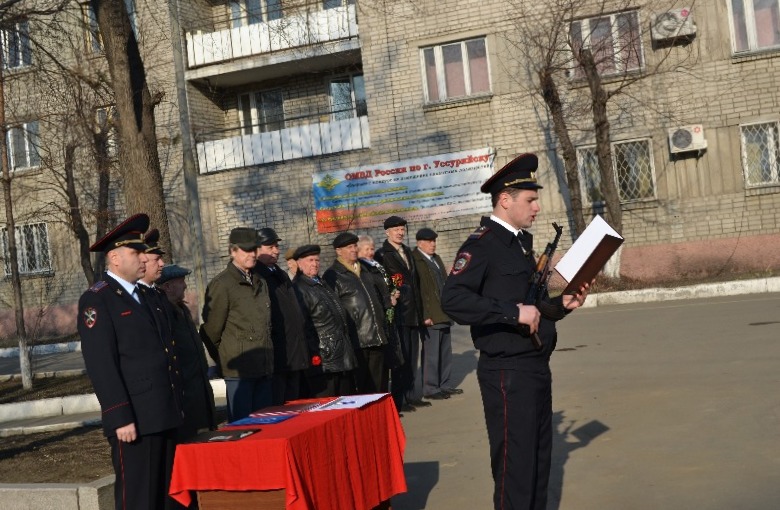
(23, 146)
(760, 153)
(633, 165)
(455, 70)
(348, 97)
(32, 249)
(17, 51)
(261, 112)
(91, 31)
(755, 24)
(105, 125)
(614, 41)
(249, 12)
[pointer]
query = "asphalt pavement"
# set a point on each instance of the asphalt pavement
(657, 405)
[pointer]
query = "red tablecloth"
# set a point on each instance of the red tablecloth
(338, 459)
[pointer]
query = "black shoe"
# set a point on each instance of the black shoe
(406, 408)
(452, 391)
(419, 403)
(437, 396)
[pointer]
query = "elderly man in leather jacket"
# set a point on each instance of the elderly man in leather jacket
(365, 311)
(327, 333)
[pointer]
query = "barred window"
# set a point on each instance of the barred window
(633, 165)
(615, 41)
(32, 247)
(760, 153)
(22, 143)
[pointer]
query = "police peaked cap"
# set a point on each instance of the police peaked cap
(518, 173)
(129, 233)
(267, 236)
(152, 240)
(171, 273)
(306, 250)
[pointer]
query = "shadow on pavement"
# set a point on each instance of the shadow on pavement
(421, 478)
(462, 365)
(562, 448)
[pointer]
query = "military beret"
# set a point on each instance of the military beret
(152, 240)
(426, 234)
(267, 236)
(171, 273)
(306, 250)
(518, 173)
(345, 239)
(244, 237)
(290, 253)
(394, 221)
(129, 233)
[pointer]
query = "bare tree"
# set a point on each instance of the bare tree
(135, 104)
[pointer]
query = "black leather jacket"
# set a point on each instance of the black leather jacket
(360, 298)
(325, 323)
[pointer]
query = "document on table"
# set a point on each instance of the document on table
(350, 402)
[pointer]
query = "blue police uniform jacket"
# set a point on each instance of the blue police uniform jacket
(130, 358)
(490, 276)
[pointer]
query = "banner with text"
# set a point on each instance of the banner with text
(424, 188)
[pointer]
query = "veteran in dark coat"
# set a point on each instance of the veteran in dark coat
(485, 289)
(198, 401)
(290, 354)
(131, 362)
(397, 259)
(327, 333)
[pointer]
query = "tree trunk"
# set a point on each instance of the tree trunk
(76, 220)
(553, 101)
(140, 164)
(599, 100)
(25, 366)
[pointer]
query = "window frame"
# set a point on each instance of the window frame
(43, 266)
(24, 50)
(355, 109)
(575, 70)
(31, 138)
(751, 33)
(241, 14)
(258, 116)
(441, 77)
(93, 40)
(585, 192)
(774, 162)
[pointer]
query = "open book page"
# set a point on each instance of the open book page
(588, 255)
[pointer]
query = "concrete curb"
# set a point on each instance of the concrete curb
(10, 352)
(43, 375)
(87, 496)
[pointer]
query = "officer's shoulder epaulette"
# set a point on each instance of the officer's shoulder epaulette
(481, 231)
(98, 286)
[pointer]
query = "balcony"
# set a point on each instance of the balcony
(316, 38)
(235, 148)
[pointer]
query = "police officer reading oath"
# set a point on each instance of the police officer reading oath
(485, 289)
(133, 369)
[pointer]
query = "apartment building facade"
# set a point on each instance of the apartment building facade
(280, 93)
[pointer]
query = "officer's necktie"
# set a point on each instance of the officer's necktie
(137, 295)
(526, 241)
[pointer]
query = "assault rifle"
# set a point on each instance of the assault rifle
(540, 280)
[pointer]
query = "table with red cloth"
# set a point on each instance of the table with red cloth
(334, 459)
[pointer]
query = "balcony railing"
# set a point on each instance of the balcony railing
(225, 150)
(296, 30)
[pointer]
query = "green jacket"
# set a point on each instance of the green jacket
(237, 324)
(430, 290)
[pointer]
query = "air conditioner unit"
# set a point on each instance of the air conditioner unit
(686, 139)
(676, 23)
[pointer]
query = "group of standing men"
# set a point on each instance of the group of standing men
(278, 336)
